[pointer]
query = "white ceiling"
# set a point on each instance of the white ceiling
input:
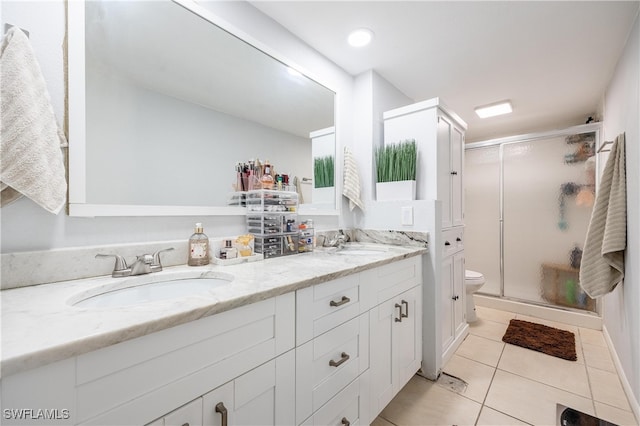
(553, 60)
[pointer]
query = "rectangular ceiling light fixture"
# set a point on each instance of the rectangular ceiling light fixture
(492, 110)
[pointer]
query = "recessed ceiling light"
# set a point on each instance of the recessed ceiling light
(499, 108)
(360, 37)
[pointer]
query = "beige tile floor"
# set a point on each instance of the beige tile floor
(509, 385)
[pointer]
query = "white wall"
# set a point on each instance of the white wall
(621, 314)
(26, 227)
(202, 148)
(374, 95)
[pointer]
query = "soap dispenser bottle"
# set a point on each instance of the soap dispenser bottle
(198, 248)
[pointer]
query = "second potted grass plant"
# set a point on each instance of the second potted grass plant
(396, 171)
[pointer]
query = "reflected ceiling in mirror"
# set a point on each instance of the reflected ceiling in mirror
(173, 102)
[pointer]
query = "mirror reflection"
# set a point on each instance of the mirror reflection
(174, 103)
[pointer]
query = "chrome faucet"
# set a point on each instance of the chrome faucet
(338, 241)
(144, 264)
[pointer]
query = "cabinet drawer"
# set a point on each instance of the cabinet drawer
(452, 240)
(262, 396)
(350, 405)
(129, 382)
(390, 280)
(329, 362)
(189, 414)
(325, 306)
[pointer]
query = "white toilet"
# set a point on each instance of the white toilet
(472, 282)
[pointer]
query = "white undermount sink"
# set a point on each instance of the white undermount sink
(148, 288)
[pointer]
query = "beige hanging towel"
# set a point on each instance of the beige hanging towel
(602, 266)
(30, 158)
(351, 184)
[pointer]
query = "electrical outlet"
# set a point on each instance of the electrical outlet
(407, 216)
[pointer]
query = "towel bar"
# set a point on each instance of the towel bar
(601, 149)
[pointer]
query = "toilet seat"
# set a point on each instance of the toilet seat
(473, 277)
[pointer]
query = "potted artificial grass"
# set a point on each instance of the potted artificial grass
(396, 171)
(323, 172)
(323, 180)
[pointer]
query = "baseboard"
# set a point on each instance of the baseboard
(567, 317)
(633, 401)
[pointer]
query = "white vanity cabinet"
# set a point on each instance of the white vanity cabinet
(439, 134)
(450, 142)
(453, 319)
(396, 329)
(187, 415)
(350, 346)
(146, 378)
(314, 357)
(263, 396)
(332, 337)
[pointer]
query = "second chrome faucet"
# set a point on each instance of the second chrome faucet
(144, 264)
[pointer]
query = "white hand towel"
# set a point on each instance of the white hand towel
(602, 265)
(30, 158)
(351, 186)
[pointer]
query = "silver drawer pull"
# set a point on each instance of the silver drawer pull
(220, 408)
(406, 312)
(399, 319)
(345, 422)
(343, 358)
(342, 301)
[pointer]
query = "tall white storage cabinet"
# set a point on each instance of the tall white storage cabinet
(439, 135)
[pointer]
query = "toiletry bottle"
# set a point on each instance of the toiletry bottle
(267, 179)
(198, 248)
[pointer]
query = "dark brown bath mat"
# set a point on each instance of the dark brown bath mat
(541, 338)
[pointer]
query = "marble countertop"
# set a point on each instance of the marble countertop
(40, 325)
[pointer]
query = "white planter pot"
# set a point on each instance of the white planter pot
(323, 195)
(401, 190)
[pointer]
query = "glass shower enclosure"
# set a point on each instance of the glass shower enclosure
(528, 207)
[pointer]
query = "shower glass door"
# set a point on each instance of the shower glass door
(528, 206)
(547, 201)
(482, 215)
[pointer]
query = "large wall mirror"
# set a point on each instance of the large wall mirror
(164, 104)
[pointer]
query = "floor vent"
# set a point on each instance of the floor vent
(452, 383)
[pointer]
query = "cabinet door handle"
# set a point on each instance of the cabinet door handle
(447, 243)
(345, 422)
(455, 297)
(343, 358)
(406, 312)
(220, 408)
(399, 319)
(185, 424)
(454, 172)
(342, 301)
(459, 239)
